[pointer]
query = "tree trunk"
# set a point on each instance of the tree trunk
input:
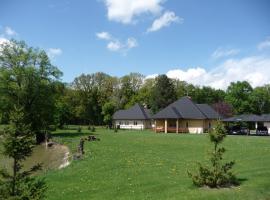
(40, 137)
(14, 177)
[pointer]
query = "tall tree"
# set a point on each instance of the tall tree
(18, 144)
(108, 110)
(163, 93)
(238, 95)
(208, 95)
(143, 96)
(129, 87)
(183, 88)
(260, 100)
(27, 76)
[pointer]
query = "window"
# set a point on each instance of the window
(126, 123)
(186, 124)
(120, 123)
(209, 125)
(135, 123)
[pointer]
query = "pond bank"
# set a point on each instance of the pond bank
(56, 156)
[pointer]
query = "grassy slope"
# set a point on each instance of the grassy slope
(144, 165)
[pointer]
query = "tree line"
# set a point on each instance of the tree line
(27, 74)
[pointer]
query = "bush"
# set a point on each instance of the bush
(218, 174)
(93, 129)
(115, 129)
(79, 129)
(89, 128)
(52, 128)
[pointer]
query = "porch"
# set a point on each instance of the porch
(183, 125)
(170, 126)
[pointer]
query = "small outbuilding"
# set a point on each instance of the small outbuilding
(136, 117)
(262, 120)
(185, 116)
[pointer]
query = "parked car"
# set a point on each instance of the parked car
(262, 130)
(238, 130)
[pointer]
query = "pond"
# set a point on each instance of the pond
(55, 157)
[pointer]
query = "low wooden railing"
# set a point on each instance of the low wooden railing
(171, 130)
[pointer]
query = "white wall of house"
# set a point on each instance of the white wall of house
(267, 124)
(133, 124)
(194, 126)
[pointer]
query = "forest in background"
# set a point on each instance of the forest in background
(26, 73)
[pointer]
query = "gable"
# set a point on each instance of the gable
(185, 108)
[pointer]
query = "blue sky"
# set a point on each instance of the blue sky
(203, 42)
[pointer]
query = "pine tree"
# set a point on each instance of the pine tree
(218, 174)
(18, 144)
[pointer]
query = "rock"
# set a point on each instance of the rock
(77, 156)
(50, 144)
(92, 138)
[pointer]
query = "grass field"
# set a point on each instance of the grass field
(143, 165)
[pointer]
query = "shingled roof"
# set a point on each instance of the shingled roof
(136, 112)
(266, 117)
(185, 108)
(248, 118)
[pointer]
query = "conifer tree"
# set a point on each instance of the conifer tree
(218, 174)
(18, 142)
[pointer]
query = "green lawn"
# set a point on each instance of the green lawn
(143, 165)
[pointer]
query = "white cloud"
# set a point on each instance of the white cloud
(124, 11)
(104, 36)
(151, 76)
(254, 69)
(9, 31)
(190, 74)
(223, 52)
(165, 20)
(265, 44)
(3, 40)
(131, 43)
(114, 44)
(53, 52)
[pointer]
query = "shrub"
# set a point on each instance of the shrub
(115, 130)
(79, 129)
(218, 174)
(93, 129)
(52, 128)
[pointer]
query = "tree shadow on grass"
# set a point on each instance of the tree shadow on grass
(72, 135)
(241, 180)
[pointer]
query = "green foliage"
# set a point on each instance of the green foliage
(238, 95)
(108, 110)
(79, 129)
(18, 145)
(218, 174)
(163, 93)
(260, 100)
(93, 129)
(28, 79)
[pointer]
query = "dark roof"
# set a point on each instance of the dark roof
(209, 111)
(266, 117)
(244, 118)
(184, 108)
(136, 112)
